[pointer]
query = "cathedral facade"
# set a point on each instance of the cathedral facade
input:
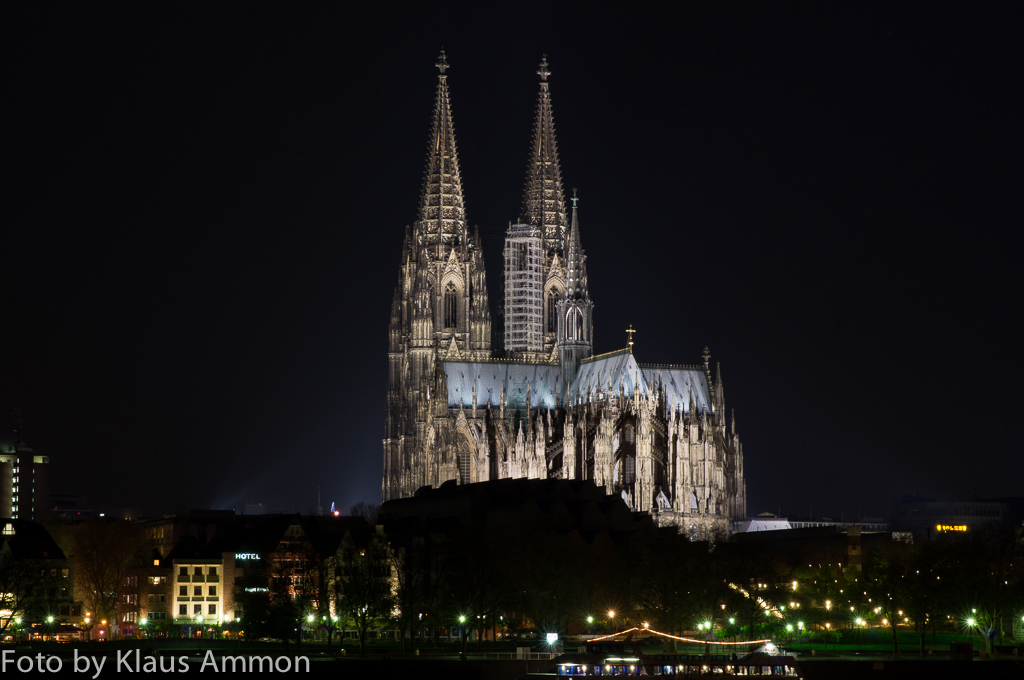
(543, 406)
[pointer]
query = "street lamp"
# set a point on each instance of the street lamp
(611, 617)
(142, 623)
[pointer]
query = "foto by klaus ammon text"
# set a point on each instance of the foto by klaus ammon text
(133, 661)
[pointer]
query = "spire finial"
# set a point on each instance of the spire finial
(629, 332)
(574, 198)
(442, 63)
(543, 71)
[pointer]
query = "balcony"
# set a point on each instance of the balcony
(213, 578)
(183, 578)
(198, 578)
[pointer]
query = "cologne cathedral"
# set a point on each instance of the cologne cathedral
(542, 406)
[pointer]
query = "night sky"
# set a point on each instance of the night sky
(206, 202)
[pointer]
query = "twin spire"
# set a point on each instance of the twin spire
(442, 219)
(442, 208)
(543, 198)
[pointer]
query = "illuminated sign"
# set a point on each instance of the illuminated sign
(247, 556)
(257, 589)
(552, 638)
(951, 527)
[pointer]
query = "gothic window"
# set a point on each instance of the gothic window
(552, 311)
(462, 458)
(451, 306)
(628, 469)
(573, 324)
(627, 449)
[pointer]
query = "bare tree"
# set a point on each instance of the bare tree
(27, 587)
(104, 553)
(367, 511)
(364, 583)
(416, 569)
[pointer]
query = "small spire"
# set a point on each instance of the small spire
(575, 266)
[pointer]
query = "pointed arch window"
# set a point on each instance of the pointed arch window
(628, 454)
(451, 306)
(573, 324)
(552, 311)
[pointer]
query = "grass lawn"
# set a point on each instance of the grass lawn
(880, 640)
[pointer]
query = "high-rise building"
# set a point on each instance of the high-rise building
(546, 407)
(24, 480)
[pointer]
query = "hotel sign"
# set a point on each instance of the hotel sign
(247, 556)
(951, 527)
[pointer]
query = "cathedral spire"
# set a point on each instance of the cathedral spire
(576, 264)
(575, 309)
(442, 218)
(543, 198)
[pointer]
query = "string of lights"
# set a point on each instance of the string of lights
(676, 637)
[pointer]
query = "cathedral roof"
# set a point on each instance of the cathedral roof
(489, 377)
(596, 380)
(604, 373)
(679, 384)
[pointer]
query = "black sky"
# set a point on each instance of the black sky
(206, 206)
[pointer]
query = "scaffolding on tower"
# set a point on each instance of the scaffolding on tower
(524, 289)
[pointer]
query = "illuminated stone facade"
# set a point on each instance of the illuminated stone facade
(657, 435)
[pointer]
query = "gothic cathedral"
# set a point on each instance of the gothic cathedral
(543, 406)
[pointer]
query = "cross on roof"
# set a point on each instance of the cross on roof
(543, 71)
(629, 332)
